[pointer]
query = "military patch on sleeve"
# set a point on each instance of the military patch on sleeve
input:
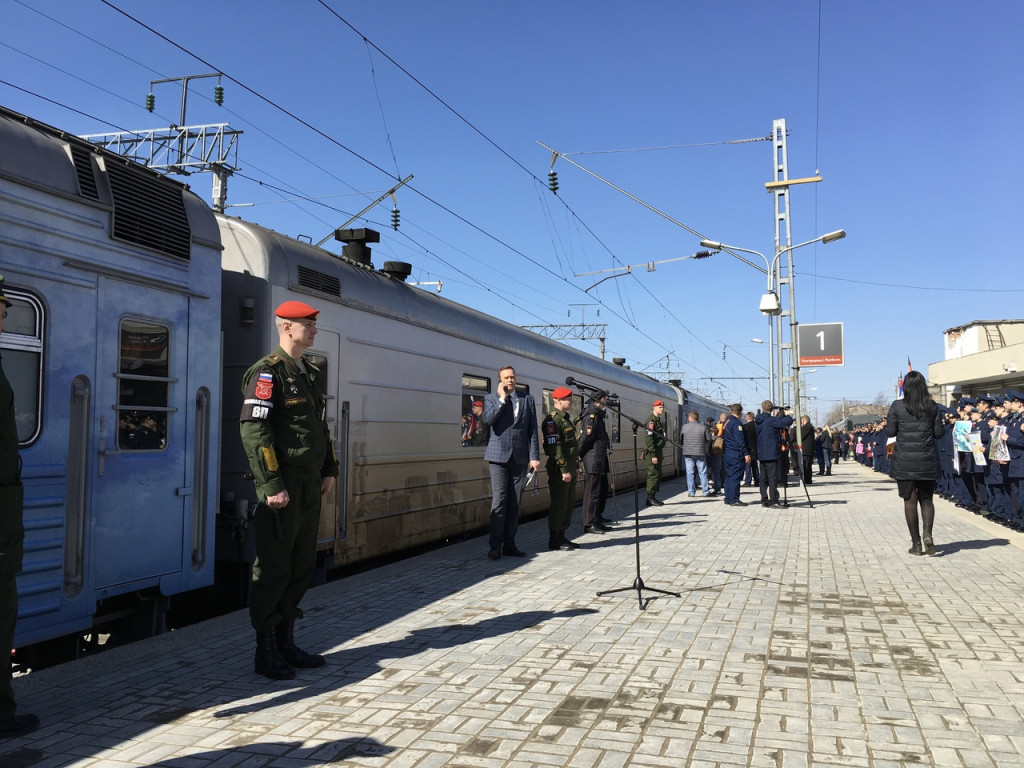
(258, 400)
(264, 386)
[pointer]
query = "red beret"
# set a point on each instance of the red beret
(561, 393)
(479, 403)
(657, 402)
(296, 310)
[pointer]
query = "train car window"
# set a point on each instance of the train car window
(22, 348)
(474, 433)
(142, 400)
(613, 420)
(575, 409)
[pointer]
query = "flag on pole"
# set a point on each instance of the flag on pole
(899, 386)
(909, 366)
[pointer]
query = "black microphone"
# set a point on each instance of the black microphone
(583, 385)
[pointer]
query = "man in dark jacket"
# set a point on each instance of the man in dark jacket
(807, 447)
(736, 455)
(750, 472)
(768, 426)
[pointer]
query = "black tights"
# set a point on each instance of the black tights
(927, 515)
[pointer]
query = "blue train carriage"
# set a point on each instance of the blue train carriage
(113, 347)
(404, 367)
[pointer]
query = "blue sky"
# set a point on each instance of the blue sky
(912, 112)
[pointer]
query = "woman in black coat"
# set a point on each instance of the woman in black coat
(916, 424)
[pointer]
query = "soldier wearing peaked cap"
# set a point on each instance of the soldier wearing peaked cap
(654, 446)
(1015, 442)
(286, 437)
(12, 536)
(594, 447)
(561, 447)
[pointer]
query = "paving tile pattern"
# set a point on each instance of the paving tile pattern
(804, 637)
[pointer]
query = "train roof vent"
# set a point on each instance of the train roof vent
(149, 211)
(86, 177)
(397, 270)
(319, 281)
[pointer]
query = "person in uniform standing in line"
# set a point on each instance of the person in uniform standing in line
(736, 455)
(654, 446)
(12, 537)
(594, 445)
(562, 450)
(287, 440)
(512, 417)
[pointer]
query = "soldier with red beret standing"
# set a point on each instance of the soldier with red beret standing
(12, 536)
(286, 437)
(562, 449)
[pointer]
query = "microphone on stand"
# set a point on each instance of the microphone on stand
(570, 381)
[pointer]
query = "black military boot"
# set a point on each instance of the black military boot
(290, 652)
(268, 662)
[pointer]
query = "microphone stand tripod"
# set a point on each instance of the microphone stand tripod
(638, 582)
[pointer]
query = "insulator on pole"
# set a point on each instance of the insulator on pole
(553, 180)
(394, 218)
(150, 101)
(218, 95)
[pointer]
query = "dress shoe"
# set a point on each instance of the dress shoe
(736, 503)
(916, 549)
(513, 552)
(651, 501)
(594, 529)
(494, 554)
(605, 522)
(554, 542)
(767, 504)
(19, 725)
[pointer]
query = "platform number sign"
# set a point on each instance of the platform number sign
(820, 344)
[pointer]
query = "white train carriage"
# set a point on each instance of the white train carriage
(404, 366)
(113, 348)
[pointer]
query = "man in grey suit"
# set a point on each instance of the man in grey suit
(512, 417)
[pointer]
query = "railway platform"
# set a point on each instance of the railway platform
(801, 637)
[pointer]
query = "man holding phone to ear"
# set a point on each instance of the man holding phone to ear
(512, 417)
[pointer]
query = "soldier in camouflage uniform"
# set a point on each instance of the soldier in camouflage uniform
(654, 445)
(561, 447)
(286, 437)
(12, 536)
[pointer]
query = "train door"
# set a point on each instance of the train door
(326, 354)
(139, 495)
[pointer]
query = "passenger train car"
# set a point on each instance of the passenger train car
(136, 311)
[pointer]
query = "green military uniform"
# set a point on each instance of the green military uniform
(562, 450)
(12, 543)
(286, 437)
(654, 444)
(12, 534)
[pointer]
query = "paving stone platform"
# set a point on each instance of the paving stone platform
(801, 637)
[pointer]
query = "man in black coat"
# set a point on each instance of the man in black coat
(807, 447)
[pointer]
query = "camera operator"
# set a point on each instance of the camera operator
(771, 425)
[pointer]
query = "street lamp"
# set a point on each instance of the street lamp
(770, 304)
